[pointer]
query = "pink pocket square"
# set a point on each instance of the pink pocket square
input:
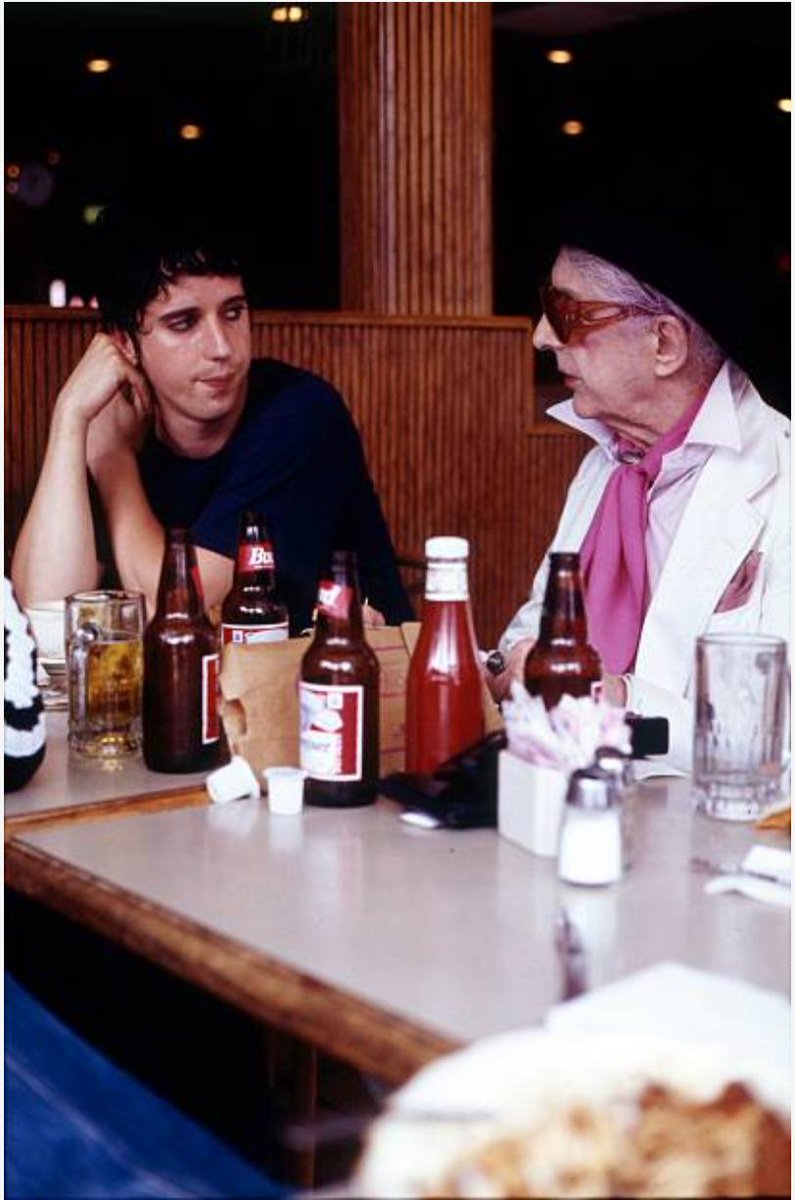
(741, 584)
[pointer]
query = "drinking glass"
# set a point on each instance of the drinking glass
(741, 705)
(104, 657)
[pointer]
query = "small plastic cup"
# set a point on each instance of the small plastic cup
(285, 790)
(235, 781)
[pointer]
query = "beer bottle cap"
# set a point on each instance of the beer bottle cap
(446, 547)
(235, 781)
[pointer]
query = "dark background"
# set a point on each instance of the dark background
(654, 82)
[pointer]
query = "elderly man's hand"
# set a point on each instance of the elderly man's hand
(614, 690)
(500, 685)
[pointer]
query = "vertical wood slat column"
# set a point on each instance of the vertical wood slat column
(415, 158)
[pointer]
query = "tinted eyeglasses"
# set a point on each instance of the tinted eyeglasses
(567, 315)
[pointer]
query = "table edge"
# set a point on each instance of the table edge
(192, 796)
(334, 1020)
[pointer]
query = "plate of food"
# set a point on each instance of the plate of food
(554, 1114)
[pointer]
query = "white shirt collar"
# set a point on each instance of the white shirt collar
(715, 424)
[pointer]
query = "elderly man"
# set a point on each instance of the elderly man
(681, 511)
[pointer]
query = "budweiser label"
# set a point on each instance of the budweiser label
(247, 635)
(334, 600)
(211, 728)
(332, 721)
(447, 581)
(255, 556)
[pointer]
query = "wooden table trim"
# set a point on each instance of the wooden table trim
(335, 1021)
(116, 806)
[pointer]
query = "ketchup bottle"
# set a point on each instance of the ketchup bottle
(444, 698)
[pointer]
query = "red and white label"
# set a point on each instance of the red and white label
(255, 556)
(211, 725)
(334, 599)
(247, 635)
(332, 723)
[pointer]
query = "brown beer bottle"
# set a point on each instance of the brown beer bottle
(338, 693)
(181, 722)
(562, 662)
(251, 612)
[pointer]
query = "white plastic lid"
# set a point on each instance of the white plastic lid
(285, 790)
(235, 781)
(446, 547)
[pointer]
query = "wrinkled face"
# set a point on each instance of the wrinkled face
(195, 347)
(608, 368)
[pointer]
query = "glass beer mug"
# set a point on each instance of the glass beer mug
(104, 661)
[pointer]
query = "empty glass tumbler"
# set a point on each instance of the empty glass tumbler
(740, 723)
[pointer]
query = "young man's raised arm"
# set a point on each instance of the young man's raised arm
(55, 553)
(136, 534)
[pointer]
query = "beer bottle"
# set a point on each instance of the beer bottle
(562, 662)
(444, 698)
(339, 696)
(251, 612)
(181, 722)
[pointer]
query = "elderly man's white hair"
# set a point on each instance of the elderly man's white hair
(624, 288)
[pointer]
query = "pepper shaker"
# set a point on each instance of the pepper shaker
(591, 839)
(619, 766)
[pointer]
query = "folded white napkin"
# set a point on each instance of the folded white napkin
(760, 860)
(676, 1001)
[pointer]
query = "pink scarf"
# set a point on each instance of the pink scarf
(613, 554)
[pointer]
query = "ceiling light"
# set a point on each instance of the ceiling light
(98, 66)
(53, 157)
(289, 13)
(13, 170)
(572, 128)
(785, 105)
(559, 57)
(91, 212)
(191, 132)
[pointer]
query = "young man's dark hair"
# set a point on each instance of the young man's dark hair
(143, 244)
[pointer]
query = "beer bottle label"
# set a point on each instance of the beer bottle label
(447, 581)
(254, 556)
(332, 721)
(334, 599)
(211, 727)
(246, 635)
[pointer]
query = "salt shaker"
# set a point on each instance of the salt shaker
(619, 766)
(591, 842)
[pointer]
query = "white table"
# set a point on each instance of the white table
(65, 788)
(383, 944)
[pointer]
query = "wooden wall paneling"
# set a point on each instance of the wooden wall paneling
(442, 404)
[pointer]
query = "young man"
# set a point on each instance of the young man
(681, 513)
(167, 421)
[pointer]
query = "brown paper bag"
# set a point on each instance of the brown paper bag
(259, 689)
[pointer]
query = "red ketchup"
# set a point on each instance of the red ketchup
(444, 699)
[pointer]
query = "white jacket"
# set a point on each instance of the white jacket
(740, 504)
